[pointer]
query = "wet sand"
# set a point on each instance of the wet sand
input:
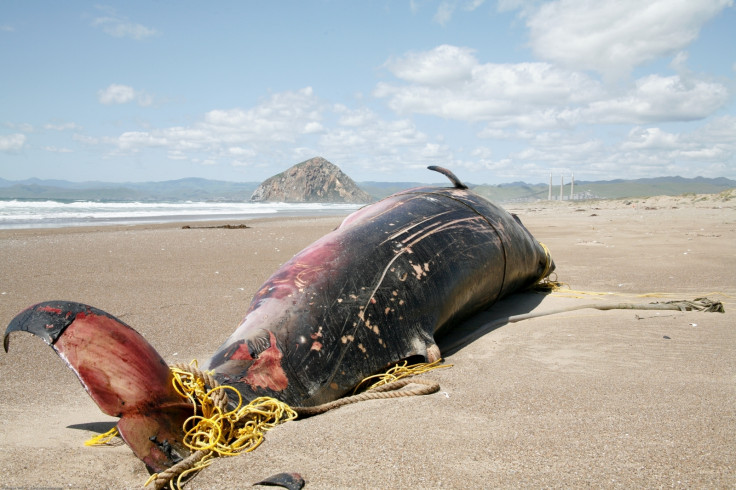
(588, 398)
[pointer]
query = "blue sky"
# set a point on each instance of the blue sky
(498, 91)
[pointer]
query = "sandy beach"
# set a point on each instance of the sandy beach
(588, 398)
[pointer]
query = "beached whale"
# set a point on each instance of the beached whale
(375, 291)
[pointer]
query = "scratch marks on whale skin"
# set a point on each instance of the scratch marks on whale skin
(411, 226)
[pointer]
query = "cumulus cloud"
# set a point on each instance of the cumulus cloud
(234, 133)
(446, 9)
(614, 37)
(68, 126)
(650, 138)
(289, 126)
(450, 82)
(444, 64)
(283, 117)
(364, 138)
(12, 142)
(120, 26)
(23, 127)
(444, 12)
(116, 94)
(643, 152)
(123, 94)
(658, 98)
(56, 149)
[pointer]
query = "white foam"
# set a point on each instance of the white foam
(49, 213)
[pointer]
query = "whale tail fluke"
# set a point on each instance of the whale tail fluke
(120, 370)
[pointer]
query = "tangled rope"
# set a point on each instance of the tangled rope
(388, 385)
(214, 430)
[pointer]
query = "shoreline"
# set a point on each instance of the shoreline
(179, 224)
(697, 200)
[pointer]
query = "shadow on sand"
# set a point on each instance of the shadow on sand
(487, 321)
(97, 427)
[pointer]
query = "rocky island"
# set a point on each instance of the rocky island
(314, 180)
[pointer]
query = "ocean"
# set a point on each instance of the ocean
(22, 213)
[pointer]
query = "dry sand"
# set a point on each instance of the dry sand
(582, 399)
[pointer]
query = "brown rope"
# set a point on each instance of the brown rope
(220, 399)
(389, 390)
(163, 478)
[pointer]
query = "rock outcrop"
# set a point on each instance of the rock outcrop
(315, 180)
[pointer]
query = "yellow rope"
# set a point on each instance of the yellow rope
(400, 371)
(549, 285)
(548, 262)
(103, 439)
(214, 430)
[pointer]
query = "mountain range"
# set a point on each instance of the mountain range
(196, 189)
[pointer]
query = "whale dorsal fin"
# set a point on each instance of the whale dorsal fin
(453, 178)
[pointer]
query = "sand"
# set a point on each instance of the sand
(582, 399)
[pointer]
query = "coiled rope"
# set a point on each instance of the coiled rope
(388, 385)
(215, 430)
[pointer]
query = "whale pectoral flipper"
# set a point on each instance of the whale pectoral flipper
(120, 370)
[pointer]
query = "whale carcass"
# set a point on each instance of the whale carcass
(375, 291)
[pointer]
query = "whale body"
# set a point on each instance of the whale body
(375, 291)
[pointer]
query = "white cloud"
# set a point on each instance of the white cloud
(658, 98)
(441, 65)
(614, 37)
(85, 139)
(444, 12)
(69, 126)
(7, 28)
(116, 94)
(679, 63)
(23, 127)
(449, 82)
(355, 117)
(241, 133)
(123, 94)
(12, 142)
(56, 149)
(119, 26)
(134, 140)
(313, 127)
(709, 150)
(712, 147)
(283, 117)
(650, 139)
(365, 139)
(241, 152)
(446, 9)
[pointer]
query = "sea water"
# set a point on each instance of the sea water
(20, 213)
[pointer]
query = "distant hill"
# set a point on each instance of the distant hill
(195, 189)
(610, 189)
(192, 189)
(314, 180)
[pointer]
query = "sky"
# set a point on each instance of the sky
(497, 91)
